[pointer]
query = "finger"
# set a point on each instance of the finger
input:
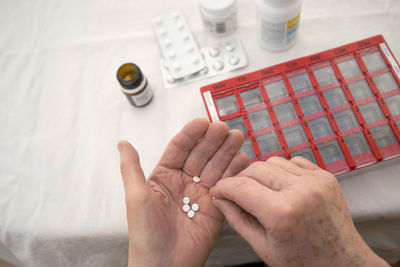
(217, 165)
(132, 173)
(304, 163)
(242, 222)
(287, 165)
(247, 193)
(238, 164)
(206, 148)
(269, 175)
(181, 144)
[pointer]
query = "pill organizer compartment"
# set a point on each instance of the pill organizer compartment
(371, 112)
(310, 105)
(251, 98)
(385, 82)
(305, 153)
(325, 76)
(360, 90)
(349, 68)
(260, 119)
(320, 127)
(248, 149)
(359, 149)
(335, 97)
(346, 119)
(285, 112)
(276, 90)
(294, 135)
(330, 151)
(227, 105)
(383, 135)
(268, 143)
(300, 83)
(373, 61)
(393, 103)
(237, 123)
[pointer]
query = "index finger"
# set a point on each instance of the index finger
(248, 194)
(179, 147)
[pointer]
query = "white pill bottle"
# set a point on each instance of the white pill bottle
(219, 16)
(277, 23)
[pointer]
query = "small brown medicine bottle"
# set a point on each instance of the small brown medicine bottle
(134, 85)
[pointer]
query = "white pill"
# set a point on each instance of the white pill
(172, 55)
(176, 66)
(195, 207)
(218, 65)
(214, 52)
(190, 214)
(170, 79)
(230, 47)
(195, 60)
(186, 200)
(163, 31)
(186, 208)
(167, 43)
(196, 179)
(185, 37)
(234, 60)
(180, 26)
(190, 48)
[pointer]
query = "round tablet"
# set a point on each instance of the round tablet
(214, 52)
(230, 47)
(186, 208)
(218, 65)
(195, 207)
(234, 60)
(196, 179)
(190, 214)
(186, 200)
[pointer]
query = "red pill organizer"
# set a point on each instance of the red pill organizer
(339, 108)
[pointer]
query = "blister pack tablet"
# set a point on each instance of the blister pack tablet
(339, 108)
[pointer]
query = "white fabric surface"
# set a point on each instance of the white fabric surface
(62, 114)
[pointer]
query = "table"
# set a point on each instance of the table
(62, 114)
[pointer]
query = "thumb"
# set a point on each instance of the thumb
(243, 223)
(132, 173)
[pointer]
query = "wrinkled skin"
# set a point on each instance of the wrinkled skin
(160, 233)
(293, 214)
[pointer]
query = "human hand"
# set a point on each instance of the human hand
(160, 232)
(293, 213)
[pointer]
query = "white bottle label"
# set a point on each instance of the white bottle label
(143, 98)
(279, 34)
(221, 27)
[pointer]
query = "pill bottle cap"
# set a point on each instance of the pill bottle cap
(130, 76)
(281, 2)
(218, 8)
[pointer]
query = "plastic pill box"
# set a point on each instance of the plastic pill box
(339, 108)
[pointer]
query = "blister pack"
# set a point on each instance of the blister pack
(339, 108)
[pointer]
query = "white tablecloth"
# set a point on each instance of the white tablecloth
(62, 114)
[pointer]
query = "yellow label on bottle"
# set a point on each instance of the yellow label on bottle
(293, 22)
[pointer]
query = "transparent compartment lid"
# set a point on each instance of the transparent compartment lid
(237, 123)
(320, 127)
(294, 135)
(227, 105)
(360, 90)
(371, 112)
(346, 119)
(285, 112)
(385, 82)
(330, 151)
(356, 143)
(268, 143)
(248, 148)
(251, 98)
(276, 90)
(374, 61)
(305, 153)
(300, 83)
(349, 68)
(260, 119)
(310, 105)
(383, 135)
(335, 97)
(393, 103)
(325, 76)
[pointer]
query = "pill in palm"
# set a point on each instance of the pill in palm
(186, 200)
(186, 208)
(195, 207)
(196, 179)
(191, 214)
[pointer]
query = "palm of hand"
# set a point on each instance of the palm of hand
(158, 226)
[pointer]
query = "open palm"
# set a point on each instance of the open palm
(160, 232)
